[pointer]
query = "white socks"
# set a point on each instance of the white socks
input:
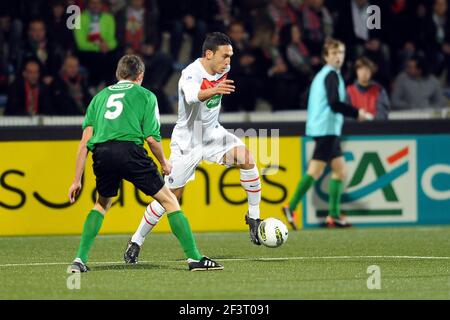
(252, 185)
(152, 214)
(249, 181)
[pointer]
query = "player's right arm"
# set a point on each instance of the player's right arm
(225, 87)
(80, 163)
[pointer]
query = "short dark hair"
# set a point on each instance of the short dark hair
(214, 40)
(421, 64)
(37, 20)
(30, 61)
(129, 67)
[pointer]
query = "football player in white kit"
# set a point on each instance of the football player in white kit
(198, 136)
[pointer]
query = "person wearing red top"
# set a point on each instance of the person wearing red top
(28, 95)
(367, 94)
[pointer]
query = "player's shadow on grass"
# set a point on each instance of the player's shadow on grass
(129, 267)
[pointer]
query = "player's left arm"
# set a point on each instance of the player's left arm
(151, 128)
(82, 153)
(331, 86)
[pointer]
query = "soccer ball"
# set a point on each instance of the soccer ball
(272, 232)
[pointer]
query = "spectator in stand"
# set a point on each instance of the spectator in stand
(281, 13)
(180, 16)
(351, 27)
(223, 12)
(116, 5)
(137, 33)
(27, 11)
(10, 42)
(403, 37)
(317, 25)
(69, 92)
(58, 33)
(436, 38)
(244, 72)
(367, 94)
(297, 55)
(39, 48)
(378, 52)
(280, 86)
(28, 95)
(417, 88)
(96, 43)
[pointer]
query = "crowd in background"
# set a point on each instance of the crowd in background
(47, 68)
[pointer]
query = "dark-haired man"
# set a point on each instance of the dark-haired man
(28, 95)
(199, 136)
(118, 120)
(417, 88)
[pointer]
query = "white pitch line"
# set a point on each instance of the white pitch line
(237, 259)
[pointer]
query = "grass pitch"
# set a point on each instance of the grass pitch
(313, 264)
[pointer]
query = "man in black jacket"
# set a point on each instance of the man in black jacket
(69, 92)
(28, 95)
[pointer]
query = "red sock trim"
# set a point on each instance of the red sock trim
(250, 180)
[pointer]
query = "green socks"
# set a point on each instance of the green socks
(181, 229)
(91, 228)
(335, 192)
(306, 183)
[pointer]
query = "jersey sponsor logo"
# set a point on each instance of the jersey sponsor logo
(214, 101)
(121, 86)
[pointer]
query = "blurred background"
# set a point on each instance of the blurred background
(48, 69)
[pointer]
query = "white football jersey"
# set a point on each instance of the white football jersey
(196, 120)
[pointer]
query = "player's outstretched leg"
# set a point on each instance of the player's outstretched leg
(152, 215)
(166, 201)
(92, 226)
(182, 230)
(251, 183)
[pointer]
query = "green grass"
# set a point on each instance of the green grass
(250, 272)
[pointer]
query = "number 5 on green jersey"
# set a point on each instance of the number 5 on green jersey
(112, 103)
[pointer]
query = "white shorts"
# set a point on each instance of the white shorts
(184, 162)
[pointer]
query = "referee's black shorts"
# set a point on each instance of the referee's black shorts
(327, 148)
(117, 160)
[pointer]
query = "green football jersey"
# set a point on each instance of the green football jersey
(123, 112)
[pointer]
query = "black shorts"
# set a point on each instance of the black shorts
(117, 160)
(327, 148)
